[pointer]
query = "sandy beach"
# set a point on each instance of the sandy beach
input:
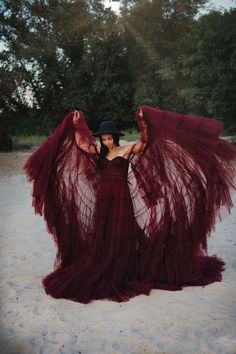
(194, 320)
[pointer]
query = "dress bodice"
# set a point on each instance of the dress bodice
(115, 169)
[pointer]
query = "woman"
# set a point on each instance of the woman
(108, 133)
(127, 219)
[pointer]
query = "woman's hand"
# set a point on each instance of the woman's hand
(76, 117)
(140, 113)
(142, 120)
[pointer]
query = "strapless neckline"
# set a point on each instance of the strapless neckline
(117, 157)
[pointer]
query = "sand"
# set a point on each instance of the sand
(194, 320)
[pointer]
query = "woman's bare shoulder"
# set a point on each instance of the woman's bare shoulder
(126, 149)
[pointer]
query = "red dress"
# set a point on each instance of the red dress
(138, 224)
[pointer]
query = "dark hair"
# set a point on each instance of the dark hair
(104, 150)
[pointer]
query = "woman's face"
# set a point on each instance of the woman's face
(108, 141)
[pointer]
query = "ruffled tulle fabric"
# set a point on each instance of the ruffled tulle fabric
(178, 185)
(108, 268)
(131, 226)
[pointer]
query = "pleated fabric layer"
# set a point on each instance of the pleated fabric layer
(131, 226)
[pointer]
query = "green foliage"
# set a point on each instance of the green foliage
(60, 55)
(131, 135)
(158, 33)
(30, 139)
(212, 66)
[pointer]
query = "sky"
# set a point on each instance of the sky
(225, 3)
(216, 3)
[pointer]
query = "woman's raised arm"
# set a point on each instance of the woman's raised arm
(80, 141)
(140, 146)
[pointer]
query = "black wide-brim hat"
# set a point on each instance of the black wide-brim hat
(108, 127)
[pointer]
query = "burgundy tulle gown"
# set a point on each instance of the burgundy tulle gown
(134, 224)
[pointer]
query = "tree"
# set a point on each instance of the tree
(157, 35)
(61, 55)
(212, 67)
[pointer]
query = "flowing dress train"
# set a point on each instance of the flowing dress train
(134, 224)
